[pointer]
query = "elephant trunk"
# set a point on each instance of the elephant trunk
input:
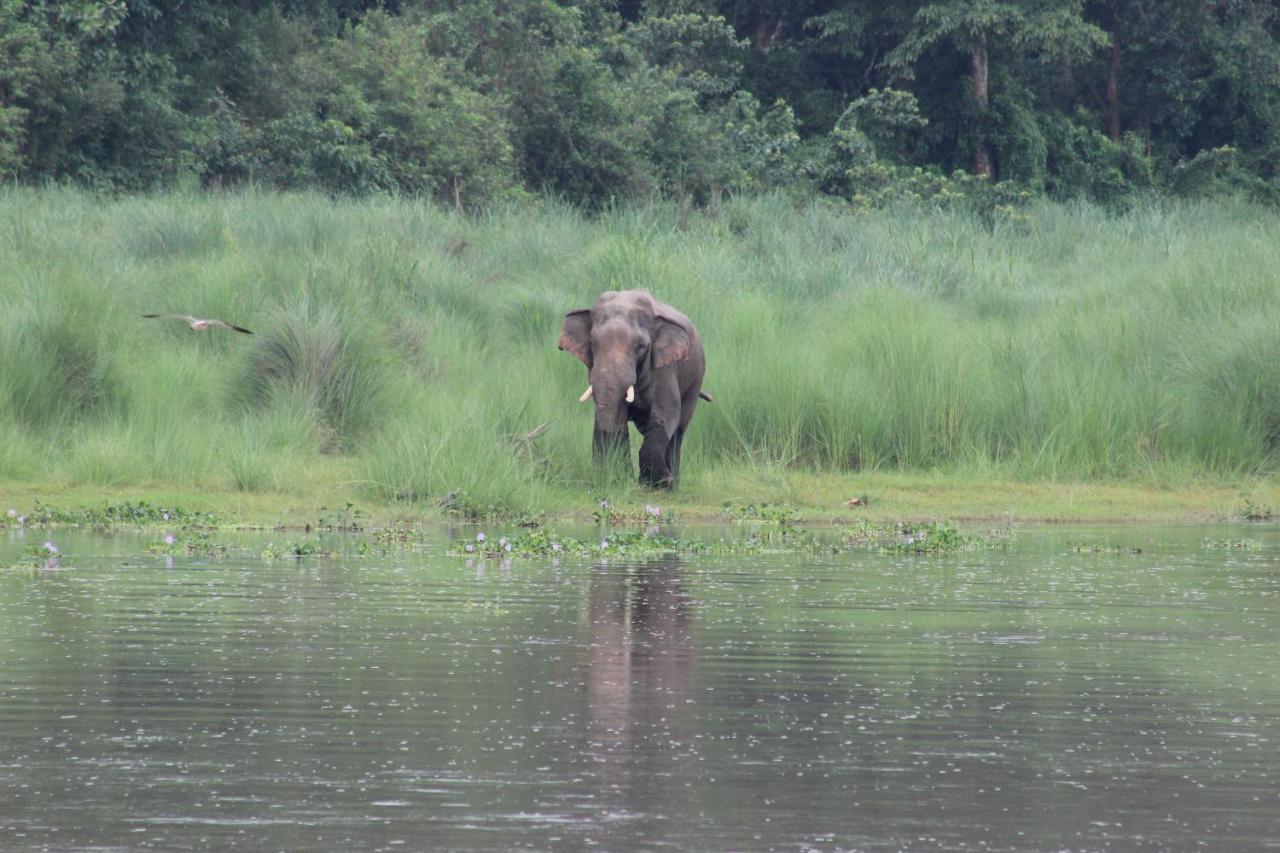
(611, 440)
(613, 390)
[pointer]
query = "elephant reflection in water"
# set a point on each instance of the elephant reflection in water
(639, 677)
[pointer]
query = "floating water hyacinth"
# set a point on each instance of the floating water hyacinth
(53, 557)
(650, 509)
(634, 543)
(480, 537)
(13, 513)
(169, 540)
(940, 537)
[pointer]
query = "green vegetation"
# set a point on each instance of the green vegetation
(404, 355)
(621, 542)
(1251, 511)
(190, 543)
(611, 543)
(939, 537)
(783, 516)
(474, 103)
(110, 514)
(1098, 548)
(932, 538)
(610, 540)
(1231, 544)
(46, 556)
(305, 547)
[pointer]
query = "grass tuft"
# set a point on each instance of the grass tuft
(324, 360)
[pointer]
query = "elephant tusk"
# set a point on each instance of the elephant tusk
(586, 395)
(631, 393)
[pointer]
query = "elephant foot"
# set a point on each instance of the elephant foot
(657, 479)
(655, 471)
(668, 485)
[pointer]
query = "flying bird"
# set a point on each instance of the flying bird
(197, 324)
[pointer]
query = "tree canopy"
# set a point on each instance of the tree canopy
(595, 100)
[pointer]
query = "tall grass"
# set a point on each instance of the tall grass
(413, 350)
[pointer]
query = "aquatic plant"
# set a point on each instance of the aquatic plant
(401, 536)
(305, 547)
(1097, 548)
(192, 542)
(941, 537)
(618, 543)
(932, 537)
(782, 515)
(928, 538)
(348, 519)
(45, 556)
(111, 514)
(1231, 544)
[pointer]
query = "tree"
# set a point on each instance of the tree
(1191, 77)
(1020, 29)
(46, 49)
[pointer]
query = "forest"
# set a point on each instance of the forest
(595, 102)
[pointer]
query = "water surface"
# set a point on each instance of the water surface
(1038, 697)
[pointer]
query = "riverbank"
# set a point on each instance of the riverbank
(803, 498)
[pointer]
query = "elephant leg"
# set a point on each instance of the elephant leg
(612, 448)
(673, 453)
(655, 469)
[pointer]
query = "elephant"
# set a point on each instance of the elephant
(644, 364)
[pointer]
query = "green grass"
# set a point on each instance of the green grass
(401, 351)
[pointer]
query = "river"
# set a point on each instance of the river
(1081, 689)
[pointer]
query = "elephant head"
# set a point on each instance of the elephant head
(626, 340)
(622, 340)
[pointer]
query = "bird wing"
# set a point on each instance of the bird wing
(224, 324)
(186, 318)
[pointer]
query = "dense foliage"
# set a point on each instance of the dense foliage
(474, 102)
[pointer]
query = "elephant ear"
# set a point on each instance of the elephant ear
(575, 335)
(670, 342)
